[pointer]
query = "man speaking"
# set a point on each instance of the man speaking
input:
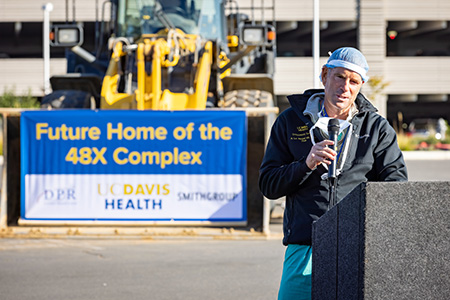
(299, 153)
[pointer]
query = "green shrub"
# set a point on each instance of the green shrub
(431, 140)
(406, 143)
(447, 134)
(9, 99)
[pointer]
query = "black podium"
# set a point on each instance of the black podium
(385, 241)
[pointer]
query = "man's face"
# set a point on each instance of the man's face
(341, 88)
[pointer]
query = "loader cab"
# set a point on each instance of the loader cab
(200, 17)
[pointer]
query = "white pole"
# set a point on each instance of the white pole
(46, 46)
(316, 44)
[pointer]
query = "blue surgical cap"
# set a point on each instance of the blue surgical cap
(349, 58)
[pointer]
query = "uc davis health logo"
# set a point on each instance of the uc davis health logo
(119, 196)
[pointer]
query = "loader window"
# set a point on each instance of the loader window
(204, 17)
(211, 22)
(137, 17)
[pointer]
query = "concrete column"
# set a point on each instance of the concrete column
(372, 43)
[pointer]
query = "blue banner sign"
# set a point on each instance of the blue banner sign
(134, 165)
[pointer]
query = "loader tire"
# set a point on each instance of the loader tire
(68, 99)
(247, 98)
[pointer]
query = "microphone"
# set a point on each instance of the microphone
(333, 131)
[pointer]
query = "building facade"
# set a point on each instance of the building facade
(406, 43)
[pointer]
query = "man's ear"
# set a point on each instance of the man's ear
(324, 75)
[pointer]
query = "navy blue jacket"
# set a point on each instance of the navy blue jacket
(373, 156)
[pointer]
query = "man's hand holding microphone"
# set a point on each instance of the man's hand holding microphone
(325, 151)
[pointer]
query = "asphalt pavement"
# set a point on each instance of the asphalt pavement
(193, 267)
(137, 269)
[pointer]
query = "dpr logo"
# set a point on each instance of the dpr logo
(60, 194)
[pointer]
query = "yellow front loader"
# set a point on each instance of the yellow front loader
(152, 53)
(172, 55)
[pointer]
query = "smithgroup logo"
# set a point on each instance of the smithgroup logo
(208, 196)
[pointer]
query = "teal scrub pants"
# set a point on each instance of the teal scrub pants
(296, 278)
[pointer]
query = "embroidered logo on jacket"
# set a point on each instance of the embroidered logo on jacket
(301, 135)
